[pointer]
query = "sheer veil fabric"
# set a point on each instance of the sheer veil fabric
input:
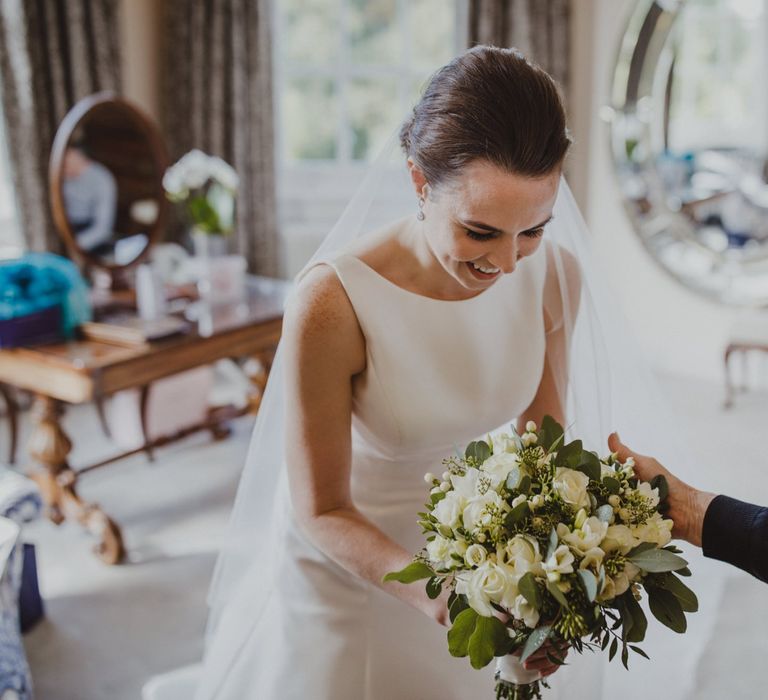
(605, 385)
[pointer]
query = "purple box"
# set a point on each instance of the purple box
(37, 328)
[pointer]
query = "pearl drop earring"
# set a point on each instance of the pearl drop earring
(420, 216)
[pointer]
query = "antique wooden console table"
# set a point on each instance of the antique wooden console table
(88, 370)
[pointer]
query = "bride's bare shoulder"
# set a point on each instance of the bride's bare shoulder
(321, 321)
(380, 249)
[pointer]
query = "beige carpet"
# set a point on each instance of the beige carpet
(110, 628)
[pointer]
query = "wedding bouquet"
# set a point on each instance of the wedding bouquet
(545, 544)
(208, 186)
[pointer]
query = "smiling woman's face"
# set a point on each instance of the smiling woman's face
(486, 218)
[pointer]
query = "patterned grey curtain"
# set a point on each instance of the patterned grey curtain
(539, 28)
(52, 54)
(217, 96)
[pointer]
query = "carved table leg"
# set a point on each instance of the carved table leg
(49, 446)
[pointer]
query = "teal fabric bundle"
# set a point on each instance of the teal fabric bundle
(38, 281)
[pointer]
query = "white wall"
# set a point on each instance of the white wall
(682, 332)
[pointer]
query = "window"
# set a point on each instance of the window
(346, 71)
(10, 238)
(349, 69)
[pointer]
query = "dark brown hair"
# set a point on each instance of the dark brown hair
(487, 104)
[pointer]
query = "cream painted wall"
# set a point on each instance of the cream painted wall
(680, 331)
(140, 48)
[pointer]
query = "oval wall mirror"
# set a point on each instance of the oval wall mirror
(106, 191)
(689, 136)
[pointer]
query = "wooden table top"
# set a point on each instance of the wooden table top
(80, 370)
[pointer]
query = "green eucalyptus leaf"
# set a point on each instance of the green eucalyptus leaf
(435, 498)
(660, 482)
(569, 455)
(524, 486)
(550, 433)
(518, 513)
(415, 571)
(639, 549)
(657, 560)
(685, 571)
(489, 634)
(590, 465)
(513, 478)
(558, 595)
(614, 648)
(552, 545)
(589, 582)
(478, 450)
(639, 620)
(434, 587)
(666, 609)
(638, 650)
(457, 606)
(625, 657)
(688, 600)
(534, 641)
(530, 590)
(612, 485)
(461, 632)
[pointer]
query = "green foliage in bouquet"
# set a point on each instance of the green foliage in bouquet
(542, 542)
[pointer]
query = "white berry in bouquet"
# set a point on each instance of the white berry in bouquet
(542, 543)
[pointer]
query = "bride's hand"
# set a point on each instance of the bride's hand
(538, 661)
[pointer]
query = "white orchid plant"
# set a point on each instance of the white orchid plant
(544, 545)
(207, 186)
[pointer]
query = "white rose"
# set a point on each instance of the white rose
(560, 562)
(475, 555)
(571, 486)
(618, 537)
(498, 466)
(490, 583)
(523, 554)
(590, 535)
(439, 551)
(448, 510)
(524, 611)
(478, 512)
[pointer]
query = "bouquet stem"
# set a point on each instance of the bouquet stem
(513, 691)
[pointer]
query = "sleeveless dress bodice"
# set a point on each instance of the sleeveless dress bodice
(438, 374)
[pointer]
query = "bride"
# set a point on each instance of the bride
(397, 347)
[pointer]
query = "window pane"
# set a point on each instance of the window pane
(374, 35)
(373, 112)
(312, 30)
(310, 118)
(431, 29)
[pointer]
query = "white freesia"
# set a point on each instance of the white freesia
(498, 466)
(466, 485)
(645, 490)
(593, 558)
(559, 562)
(524, 611)
(619, 584)
(475, 555)
(618, 538)
(448, 510)
(588, 536)
(571, 486)
(656, 529)
(439, 551)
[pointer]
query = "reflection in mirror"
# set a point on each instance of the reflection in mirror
(106, 171)
(690, 141)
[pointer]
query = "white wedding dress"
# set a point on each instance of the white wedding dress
(439, 373)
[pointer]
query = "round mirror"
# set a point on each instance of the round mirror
(689, 136)
(106, 172)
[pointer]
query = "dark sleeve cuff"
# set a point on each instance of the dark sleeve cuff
(737, 533)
